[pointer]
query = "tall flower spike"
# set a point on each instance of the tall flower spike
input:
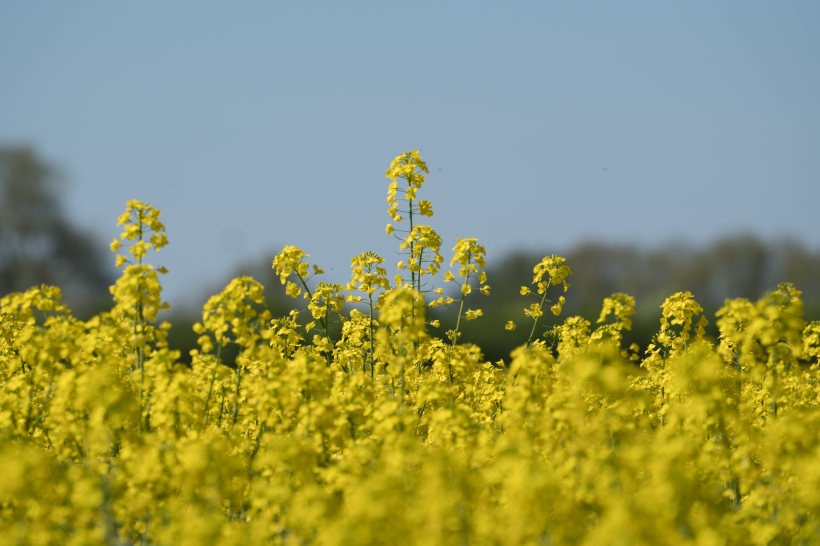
(552, 267)
(622, 306)
(141, 222)
(409, 167)
(290, 260)
(470, 255)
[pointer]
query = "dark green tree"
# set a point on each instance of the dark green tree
(37, 242)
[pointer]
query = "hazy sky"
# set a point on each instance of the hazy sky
(253, 125)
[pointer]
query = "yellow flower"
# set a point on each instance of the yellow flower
(553, 267)
(140, 219)
(468, 252)
(700, 327)
(288, 261)
(534, 311)
(292, 290)
(472, 315)
(408, 167)
(510, 325)
(159, 240)
(622, 306)
(556, 309)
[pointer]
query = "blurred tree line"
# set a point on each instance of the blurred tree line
(37, 242)
(39, 245)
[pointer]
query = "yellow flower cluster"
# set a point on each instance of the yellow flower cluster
(233, 311)
(422, 242)
(140, 219)
(387, 434)
(291, 261)
(556, 272)
(409, 167)
(367, 271)
(622, 306)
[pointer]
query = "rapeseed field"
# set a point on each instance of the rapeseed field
(380, 432)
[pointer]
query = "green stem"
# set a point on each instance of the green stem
(773, 404)
(423, 308)
(321, 320)
(663, 400)
(460, 310)
(236, 402)
(412, 273)
(455, 339)
(737, 368)
(221, 408)
(40, 413)
(540, 308)
(148, 414)
(372, 341)
(421, 260)
(140, 318)
(213, 379)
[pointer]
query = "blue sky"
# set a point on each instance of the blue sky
(256, 125)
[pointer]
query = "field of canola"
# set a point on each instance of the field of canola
(385, 434)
